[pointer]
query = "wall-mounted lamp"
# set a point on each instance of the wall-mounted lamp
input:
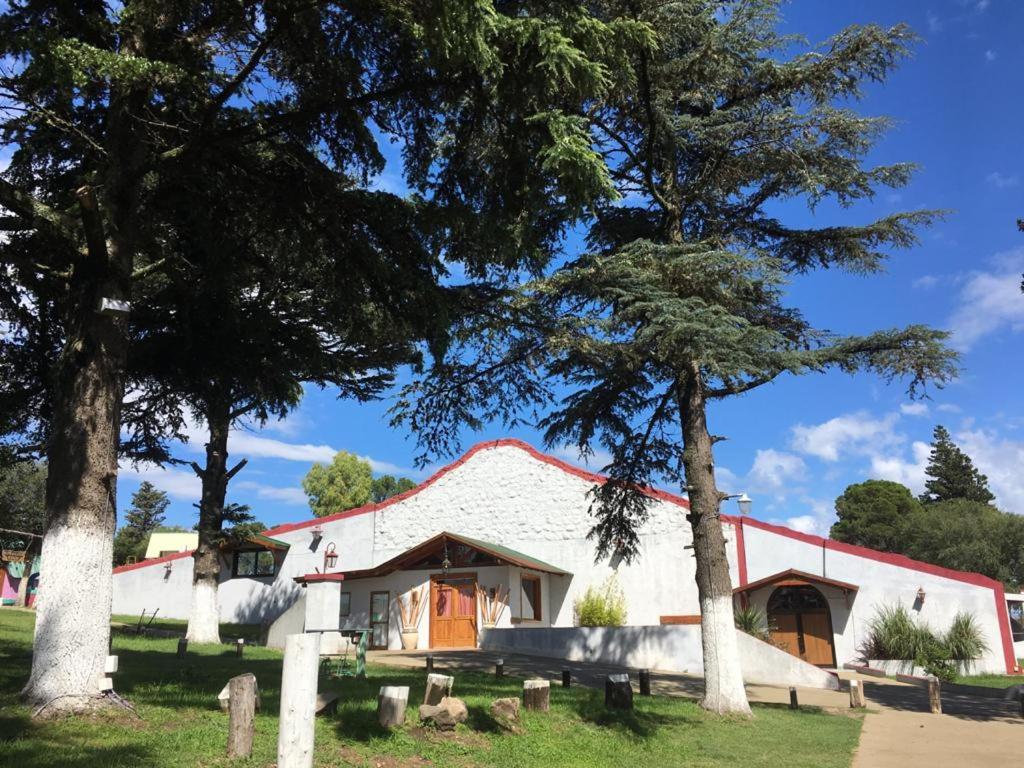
(920, 595)
(446, 564)
(318, 532)
(743, 501)
(167, 570)
(330, 557)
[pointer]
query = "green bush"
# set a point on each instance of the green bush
(752, 621)
(893, 634)
(964, 640)
(934, 659)
(604, 606)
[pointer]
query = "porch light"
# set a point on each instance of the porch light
(744, 502)
(330, 557)
(920, 595)
(446, 564)
(167, 570)
(318, 533)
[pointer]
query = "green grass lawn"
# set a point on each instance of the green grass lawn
(250, 632)
(991, 681)
(181, 724)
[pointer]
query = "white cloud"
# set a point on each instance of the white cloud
(949, 408)
(247, 444)
(981, 5)
(934, 23)
(990, 301)
(181, 484)
(990, 55)
(925, 282)
(803, 523)
(997, 179)
(595, 462)
(292, 495)
(900, 470)
(914, 409)
(773, 469)
(1002, 461)
(854, 432)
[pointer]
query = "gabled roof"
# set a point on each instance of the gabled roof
(791, 577)
(433, 545)
(258, 540)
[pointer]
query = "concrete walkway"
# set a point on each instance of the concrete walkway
(898, 732)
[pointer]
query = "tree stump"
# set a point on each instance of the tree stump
(241, 715)
(645, 682)
(499, 668)
(856, 694)
(566, 678)
(391, 703)
(438, 687)
(298, 701)
(935, 696)
(537, 695)
(618, 693)
(239, 647)
(182, 647)
(506, 714)
(224, 697)
(793, 703)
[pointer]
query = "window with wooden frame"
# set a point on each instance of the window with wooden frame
(345, 606)
(530, 600)
(253, 563)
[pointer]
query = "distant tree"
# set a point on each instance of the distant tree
(345, 483)
(874, 514)
(23, 496)
(952, 474)
(149, 504)
(386, 486)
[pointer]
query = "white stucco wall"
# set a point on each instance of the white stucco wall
(665, 648)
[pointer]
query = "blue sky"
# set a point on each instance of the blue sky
(795, 445)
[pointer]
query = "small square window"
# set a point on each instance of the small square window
(253, 563)
(345, 608)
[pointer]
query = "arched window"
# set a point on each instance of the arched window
(803, 599)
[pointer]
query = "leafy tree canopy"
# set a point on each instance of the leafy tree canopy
(875, 514)
(23, 497)
(386, 486)
(345, 483)
(951, 473)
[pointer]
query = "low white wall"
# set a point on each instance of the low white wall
(673, 648)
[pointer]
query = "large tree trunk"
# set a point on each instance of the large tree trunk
(204, 617)
(75, 584)
(723, 679)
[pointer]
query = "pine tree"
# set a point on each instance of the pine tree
(146, 514)
(681, 302)
(951, 473)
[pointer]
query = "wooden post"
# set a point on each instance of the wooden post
(241, 715)
(298, 701)
(935, 695)
(645, 682)
(793, 703)
(391, 703)
(856, 694)
(499, 668)
(239, 647)
(566, 678)
(438, 687)
(537, 695)
(430, 663)
(618, 693)
(182, 647)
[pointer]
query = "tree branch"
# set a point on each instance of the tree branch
(236, 469)
(37, 213)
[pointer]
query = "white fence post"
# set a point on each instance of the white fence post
(298, 701)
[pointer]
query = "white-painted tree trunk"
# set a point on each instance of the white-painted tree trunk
(298, 701)
(723, 678)
(204, 617)
(72, 618)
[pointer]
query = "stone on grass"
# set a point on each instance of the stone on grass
(445, 715)
(506, 714)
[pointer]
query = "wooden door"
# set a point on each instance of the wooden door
(453, 612)
(817, 631)
(785, 633)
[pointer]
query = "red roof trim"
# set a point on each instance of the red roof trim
(153, 561)
(791, 573)
(508, 442)
(741, 552)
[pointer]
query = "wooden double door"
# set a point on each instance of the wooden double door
(453, 611)
(801, 623)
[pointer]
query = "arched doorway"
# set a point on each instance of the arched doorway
(801, 622)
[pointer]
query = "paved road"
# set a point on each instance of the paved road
(899, 731)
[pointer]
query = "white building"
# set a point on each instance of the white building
(506, 517)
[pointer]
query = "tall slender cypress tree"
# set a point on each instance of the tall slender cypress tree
(951, 473)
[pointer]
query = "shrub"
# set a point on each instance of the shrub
(752, 621)
(603, 606)
(934, 659)
(893, 634)
(964, 640)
